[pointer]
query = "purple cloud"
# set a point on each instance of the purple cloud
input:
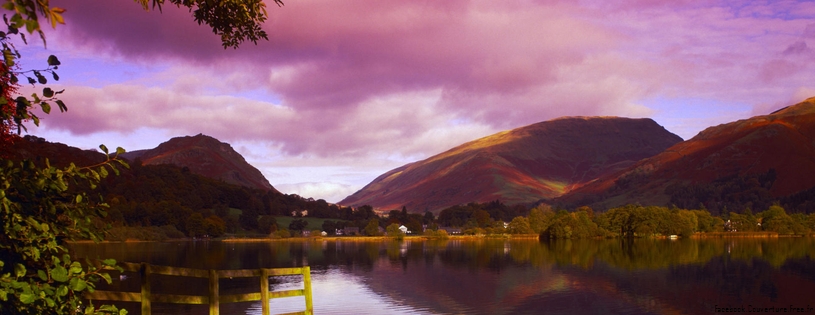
(370, 79)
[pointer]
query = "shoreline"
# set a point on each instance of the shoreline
(708, 235)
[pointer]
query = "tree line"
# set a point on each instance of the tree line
(627, 221)
(181, 203)
(167, 195)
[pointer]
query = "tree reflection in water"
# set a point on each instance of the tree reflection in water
(492, 276)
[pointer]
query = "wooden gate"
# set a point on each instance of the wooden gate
(213, 299)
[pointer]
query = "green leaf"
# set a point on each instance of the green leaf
(107, 278)
(19, 270)
(109, 262)
(28, 298)
(47, 92)
(42, 275)
(62, 291)
(78, 284)
(53, 61)
(120, 151)
(8, 56)
(33, 222)
(46, 108)
(40, 78)
(76, 268)
(62, 107)
(55, 76)
(78, 198)
(59, 274)
(104, 148)
(32, 25)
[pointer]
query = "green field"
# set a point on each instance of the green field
(313, 223)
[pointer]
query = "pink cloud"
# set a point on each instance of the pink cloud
(412, 78)
(340, 54)
(364, 48)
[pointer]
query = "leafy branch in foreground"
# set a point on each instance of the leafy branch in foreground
(235, 21)
(41, 208)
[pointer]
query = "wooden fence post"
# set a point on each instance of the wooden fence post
(213, 297)
(264, 291)
(144, 271)
(307, 289)
(213, 293)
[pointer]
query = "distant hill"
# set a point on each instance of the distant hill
(204, 155)
(38, 150)
(747, 163)
(522, 165)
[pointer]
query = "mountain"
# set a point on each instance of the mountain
(38, 150)
(522, 165)
(204, 155)
(747, 163)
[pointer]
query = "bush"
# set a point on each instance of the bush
(437, 234)
(171, 232)
(40, 213)
(282, 233)
(394, 231)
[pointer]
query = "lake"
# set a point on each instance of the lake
(498, 276)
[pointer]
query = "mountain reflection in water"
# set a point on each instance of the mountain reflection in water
(488, 276)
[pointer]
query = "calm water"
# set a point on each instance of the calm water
(499, 276)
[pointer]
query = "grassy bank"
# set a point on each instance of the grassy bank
(735, 234)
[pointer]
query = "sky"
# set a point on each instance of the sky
(344, 91)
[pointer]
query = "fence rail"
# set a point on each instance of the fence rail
(213, 299)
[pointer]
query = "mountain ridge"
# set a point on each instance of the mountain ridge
(518, 165)
(781, 143)
(204, 155)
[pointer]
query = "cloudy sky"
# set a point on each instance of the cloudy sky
(346, 90)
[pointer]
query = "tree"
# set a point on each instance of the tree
(248, 219)
(776, 219)
(372, 229)
(267, 224)
(214, 226)
(329, 227)
(540, 217)
(428, 218)
(195, 225)
(520, 225)
(482, 218)
(394, 231)
(298, 225)
(233, 21)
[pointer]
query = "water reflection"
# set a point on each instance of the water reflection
(487, 276)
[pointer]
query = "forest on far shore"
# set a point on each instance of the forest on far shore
(164, 201)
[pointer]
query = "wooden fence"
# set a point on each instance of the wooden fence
(213, 299)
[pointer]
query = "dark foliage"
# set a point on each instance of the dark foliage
(157, 195)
